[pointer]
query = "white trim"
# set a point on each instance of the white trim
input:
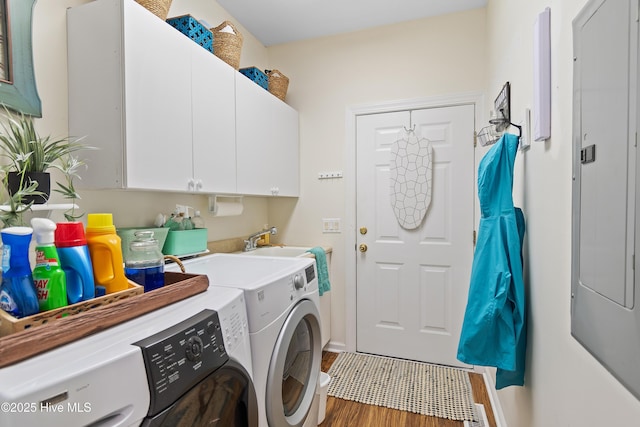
(351, 113)
(493, 398)
(334, 347)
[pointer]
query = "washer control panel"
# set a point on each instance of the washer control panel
(179, 357)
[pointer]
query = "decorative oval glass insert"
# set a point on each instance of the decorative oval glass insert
(410, 176)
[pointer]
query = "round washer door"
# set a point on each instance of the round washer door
(226, 398)
(294, 368)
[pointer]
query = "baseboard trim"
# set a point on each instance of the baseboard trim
(335, 347)
(498, 415)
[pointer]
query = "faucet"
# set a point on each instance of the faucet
(252, 241)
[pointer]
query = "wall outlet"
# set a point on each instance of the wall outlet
(331, 225)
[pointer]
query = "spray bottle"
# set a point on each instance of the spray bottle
(17, 294)
(48, 276)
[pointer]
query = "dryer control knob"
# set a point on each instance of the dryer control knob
(194, 348)
(298, 281)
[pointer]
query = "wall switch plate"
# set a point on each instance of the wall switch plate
(331, 225)
(525, 140)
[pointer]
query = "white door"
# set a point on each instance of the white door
(412, 284)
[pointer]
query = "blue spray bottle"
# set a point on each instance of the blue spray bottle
(17, 294)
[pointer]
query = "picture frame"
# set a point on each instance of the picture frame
(18, 87)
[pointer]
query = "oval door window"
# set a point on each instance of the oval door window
(295, 366)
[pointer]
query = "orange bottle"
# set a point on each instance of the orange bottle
(106, 253)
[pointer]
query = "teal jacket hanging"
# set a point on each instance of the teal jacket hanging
(494, 327)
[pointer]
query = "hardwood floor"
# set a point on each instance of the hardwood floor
(345, 413)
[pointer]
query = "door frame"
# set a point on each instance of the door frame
(352, 112)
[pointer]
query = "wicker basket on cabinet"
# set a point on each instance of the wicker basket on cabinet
(278, 83)
(227, 43)
(160, 8)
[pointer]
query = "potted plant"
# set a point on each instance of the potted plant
(31, 156)
(30, 159)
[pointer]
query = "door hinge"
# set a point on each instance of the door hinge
(474, 237)
(475, 139)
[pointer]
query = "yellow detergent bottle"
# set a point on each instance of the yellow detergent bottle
(106, 253)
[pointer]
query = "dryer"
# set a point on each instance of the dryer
(143, 371)
(284, 328)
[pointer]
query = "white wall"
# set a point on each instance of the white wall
(470, 51)
(417, 59)
(565, 386)
(131, 208)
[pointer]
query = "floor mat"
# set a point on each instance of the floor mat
(422, 388)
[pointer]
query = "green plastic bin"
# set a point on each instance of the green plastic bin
(185, 242)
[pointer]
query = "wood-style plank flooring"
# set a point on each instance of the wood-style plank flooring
(346, 413)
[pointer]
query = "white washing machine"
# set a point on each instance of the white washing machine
(284, 325)
(185, 364)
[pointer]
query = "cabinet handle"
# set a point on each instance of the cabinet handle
(199, 184)
(190, 184)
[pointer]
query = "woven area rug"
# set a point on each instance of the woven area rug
(422, 388)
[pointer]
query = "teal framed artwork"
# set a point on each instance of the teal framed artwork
(17, 79)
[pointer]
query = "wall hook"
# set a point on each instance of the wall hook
(413, 128)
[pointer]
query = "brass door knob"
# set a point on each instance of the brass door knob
(363, 230)
(363, 248)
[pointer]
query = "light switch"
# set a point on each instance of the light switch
(331, 225)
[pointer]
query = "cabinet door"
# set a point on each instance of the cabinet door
(157, 73)
(266, 142)
(214, 117)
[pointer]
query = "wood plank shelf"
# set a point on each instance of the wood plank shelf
(29, 342)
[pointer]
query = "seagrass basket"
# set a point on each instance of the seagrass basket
(227, 43)
(278, 83)
(160, 8)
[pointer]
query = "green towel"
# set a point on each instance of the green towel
(323, 271)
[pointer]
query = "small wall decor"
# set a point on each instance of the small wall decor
(542, 76)
(500, 119)
(410, 177)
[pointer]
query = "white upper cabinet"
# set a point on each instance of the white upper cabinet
(129, 94)
(162, 110)
(214, 116)
(266, 142)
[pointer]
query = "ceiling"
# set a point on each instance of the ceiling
(282, 21)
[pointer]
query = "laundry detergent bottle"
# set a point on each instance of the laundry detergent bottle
(106, 252)
(17, 294)
(48, 276)
(75, 260)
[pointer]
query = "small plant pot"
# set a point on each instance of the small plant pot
(44, 186)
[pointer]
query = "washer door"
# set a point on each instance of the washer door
(294, 368)
(226, 398)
